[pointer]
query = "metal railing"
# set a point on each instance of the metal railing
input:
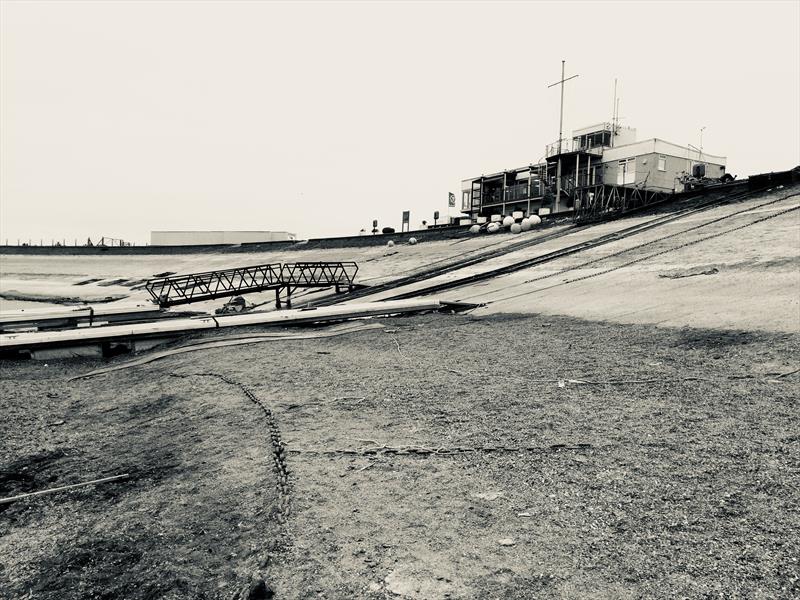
(568, 145)
(197, 287)
(514, 193)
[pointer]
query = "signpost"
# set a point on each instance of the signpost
(451, 202)
(406, 226)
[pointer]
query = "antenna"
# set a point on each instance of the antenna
(614, 114)
(701, 142)
(561, 114)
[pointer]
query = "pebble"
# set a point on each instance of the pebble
(506, 542)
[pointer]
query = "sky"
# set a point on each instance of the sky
(118, 118)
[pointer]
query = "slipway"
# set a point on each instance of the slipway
(90, 315)
(124, 338)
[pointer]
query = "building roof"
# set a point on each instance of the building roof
(592, 129)
(658, 146)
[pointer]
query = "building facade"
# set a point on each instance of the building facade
(658, 165)
(576, 168)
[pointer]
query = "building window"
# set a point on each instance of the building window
(626, 171)
(466, 201)
(662, 163)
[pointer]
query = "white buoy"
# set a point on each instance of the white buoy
(508, 221)
(475, 229)
(525, 225)
(516, 228)
(390, 243)
(535, 219)
(492, 228)
(412, 241)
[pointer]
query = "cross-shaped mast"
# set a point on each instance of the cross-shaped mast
(560, 133)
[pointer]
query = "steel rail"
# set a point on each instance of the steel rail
(649, 256)
(441, 270)
(576, 248)
(638, 246)
(454, 265)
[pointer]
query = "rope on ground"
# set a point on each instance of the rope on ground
(400, 352)
(231, 341)
(789, 373)
(278, 447)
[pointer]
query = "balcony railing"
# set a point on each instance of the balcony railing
(514, 193)
(568, 145)
(524, 191)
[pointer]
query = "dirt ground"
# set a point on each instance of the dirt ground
(445, 456)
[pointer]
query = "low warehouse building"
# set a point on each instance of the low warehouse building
(211, 238)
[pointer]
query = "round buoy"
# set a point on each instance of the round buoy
(525, 225)
(390, 243)
(508, 221)
(492, 228)
(475, 229)
(535, 219)
(516, 228)
(412, 241)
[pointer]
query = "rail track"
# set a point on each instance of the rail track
(567, 251)
(649, 256)
(451, 265)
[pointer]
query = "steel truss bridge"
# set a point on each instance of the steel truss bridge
(283, 278)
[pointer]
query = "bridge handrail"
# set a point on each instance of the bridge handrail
(270, 274)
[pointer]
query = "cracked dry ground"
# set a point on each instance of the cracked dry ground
(651, 485)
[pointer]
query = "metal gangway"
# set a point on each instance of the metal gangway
(283, 278)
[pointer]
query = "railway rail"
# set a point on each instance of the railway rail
(483, 256)
(575, 248)
(441, 270)
(649, 256)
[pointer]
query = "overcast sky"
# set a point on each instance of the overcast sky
(118, 118)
